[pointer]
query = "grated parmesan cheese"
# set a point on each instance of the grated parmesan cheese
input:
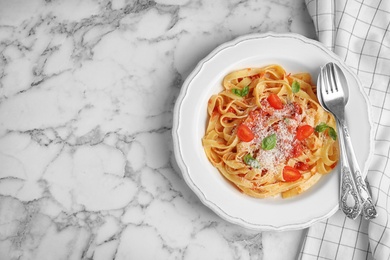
(283, 123)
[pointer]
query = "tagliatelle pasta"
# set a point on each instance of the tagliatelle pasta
(267, 133)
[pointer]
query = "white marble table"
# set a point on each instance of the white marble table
(87, 91)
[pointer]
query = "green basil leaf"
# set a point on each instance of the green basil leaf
(237, 91)
(241, 92)
(245, 91)
(332, 133)
(249, 160)
(295, 86)
(321, 127)
(269, 142)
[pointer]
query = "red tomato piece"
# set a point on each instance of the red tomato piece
(244, 133)
(304, 131)
(301, 166)
(291, 174)
(275, 101)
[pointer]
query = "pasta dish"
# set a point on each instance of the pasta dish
(267, 133)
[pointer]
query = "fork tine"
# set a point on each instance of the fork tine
(332, 82)
(333, 78)
(324, 85)
(320, 88)
(328, 83)
(320, 83)
(338, 79)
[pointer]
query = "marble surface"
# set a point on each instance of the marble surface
(87, 90)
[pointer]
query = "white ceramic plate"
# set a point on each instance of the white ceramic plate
(296, 54)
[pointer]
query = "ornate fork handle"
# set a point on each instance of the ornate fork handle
(350, 202)
(368, 208)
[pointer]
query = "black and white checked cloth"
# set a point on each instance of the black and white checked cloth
(358, 31)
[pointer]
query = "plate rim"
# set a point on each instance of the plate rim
(176, 124)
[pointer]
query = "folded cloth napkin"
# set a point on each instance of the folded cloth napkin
(358, 32)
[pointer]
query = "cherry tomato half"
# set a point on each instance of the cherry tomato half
(304, 131)
(275, 101)
(290, 174)
(244, 133)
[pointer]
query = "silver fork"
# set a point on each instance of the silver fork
(349, 201)
(353, 188)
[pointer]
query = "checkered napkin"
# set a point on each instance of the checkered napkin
(358, 31)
